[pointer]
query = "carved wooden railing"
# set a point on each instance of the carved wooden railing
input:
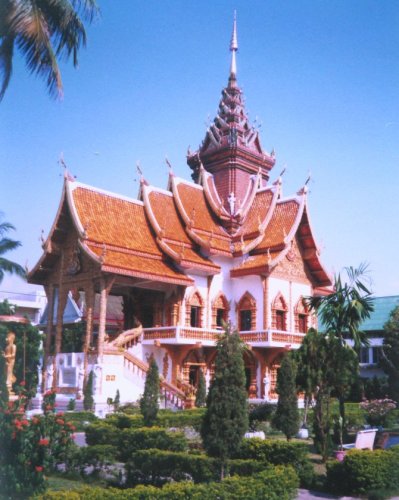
(271, 336)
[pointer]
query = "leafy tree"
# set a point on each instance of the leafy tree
(7, 244)
(390, 354)
(341, 314)
(200, 396)
(73, 337)
(42, 31)
(71, 404)
(6, 309)
(88, 400)
(286, 418)
(226, 418)
(149, 401)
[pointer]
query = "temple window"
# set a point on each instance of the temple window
(279, 313)
(246, 312)
(220, 311)
(301, 317)
(194, 310)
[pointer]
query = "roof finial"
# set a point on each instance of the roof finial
(233, 49)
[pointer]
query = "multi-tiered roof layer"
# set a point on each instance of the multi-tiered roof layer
(229, 210)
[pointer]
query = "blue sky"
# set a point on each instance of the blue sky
(322, 77)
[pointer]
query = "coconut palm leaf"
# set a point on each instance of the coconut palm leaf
(43, 31)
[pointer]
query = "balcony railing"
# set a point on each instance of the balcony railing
(183, 334)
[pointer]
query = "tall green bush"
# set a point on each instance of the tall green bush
(200, 396)
(286, 418)
(88, 400)
(226, 419)
(149, 402)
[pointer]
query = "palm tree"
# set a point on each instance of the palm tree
(6, 245)
(343, 311)
(341, 314)
(43, 30)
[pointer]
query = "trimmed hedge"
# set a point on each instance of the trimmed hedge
(80, 418)
(128, 441)
(165, 418)
(277, 452)
(156, 467)
(363, 471)
(274, 483)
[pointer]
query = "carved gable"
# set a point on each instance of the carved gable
(293, 267)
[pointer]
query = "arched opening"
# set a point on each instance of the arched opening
(246, 312)
(279, 313)
(192, 366)
(194, 310)
(220, 311)
(301, 316)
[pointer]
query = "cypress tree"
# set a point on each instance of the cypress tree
(117, 400)
(88, 400)
(149, 401)
(226, 418)
(200, 397)
(286, 418)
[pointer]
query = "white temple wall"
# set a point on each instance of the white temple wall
(253, 285)
(292, 292)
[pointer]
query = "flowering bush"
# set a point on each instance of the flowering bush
(377, 410)
(29, 448)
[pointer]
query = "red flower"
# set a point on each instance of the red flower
(24, 422)
(59, 421)
(43, 442)
(23, 383)
(35, 420)
(39, 468)
(60, 414)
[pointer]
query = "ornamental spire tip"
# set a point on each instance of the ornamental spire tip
(233, 49)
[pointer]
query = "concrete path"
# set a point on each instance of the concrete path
(315, 495)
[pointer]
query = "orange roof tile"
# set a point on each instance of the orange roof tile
(257, 213)
(254, 264)
(199, 219)
(280, 225)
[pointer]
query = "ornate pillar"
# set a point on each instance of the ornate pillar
(62, 299)
(49, 289)
(105, 287)
(89, 303)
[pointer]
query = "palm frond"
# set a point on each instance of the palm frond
(6, 245)
(6, 54)
(11, 267)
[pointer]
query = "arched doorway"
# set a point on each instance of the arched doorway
(192, 365)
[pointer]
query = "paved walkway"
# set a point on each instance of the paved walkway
(315, 495)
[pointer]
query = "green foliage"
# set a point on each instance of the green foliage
(286, 418)
(156, 467)
(226, 419)
(263, 412)
(377, 410)
(99, 457)
(71, 404)
(80, 419)
(274, 483)
(30, 448)
(279, 452)
(33, 339)
(128, 441)
(6, 309)
(88, 400)
(117, 400)
(363, 471)
(3, 378)
(73, 337)
(390, 354)
(200, 396)
(149, 401)
(6, 243)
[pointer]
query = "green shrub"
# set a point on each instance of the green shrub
(132, 440)
(99, 457)
(363, 471)
(165, 418)
(156, 467)
(278, 452)
(274, 483)
(101, 433)
(262, 412)
(80, 418)
(128, 440)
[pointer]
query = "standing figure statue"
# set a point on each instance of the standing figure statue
(9, 355)
(266, 382)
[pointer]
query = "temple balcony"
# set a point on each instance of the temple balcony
(208, 337)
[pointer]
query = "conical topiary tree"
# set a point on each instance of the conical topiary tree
(226, 418)
(200, 396)
(88, 400)
(286, 418)
(149, 401)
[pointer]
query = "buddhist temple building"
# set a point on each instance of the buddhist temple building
(176, 264)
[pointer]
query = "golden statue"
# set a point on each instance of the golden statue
(9, 355)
